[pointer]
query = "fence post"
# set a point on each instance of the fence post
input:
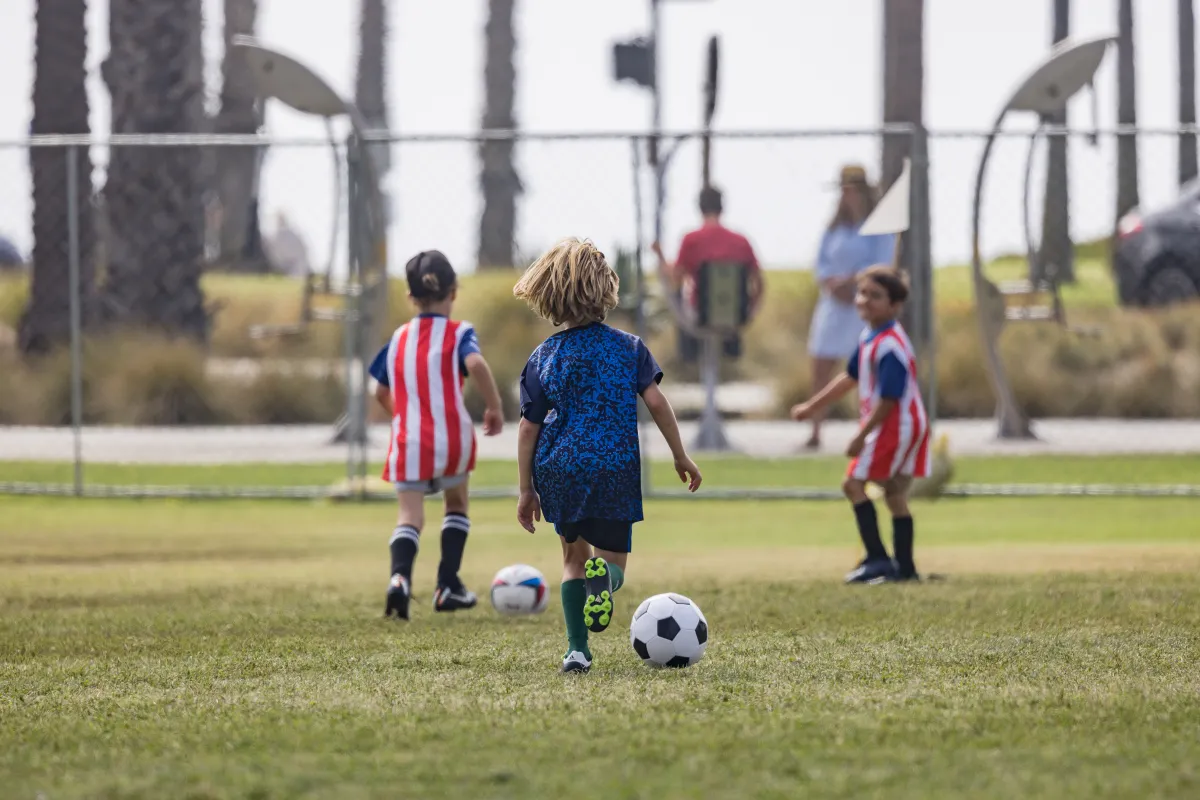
(75, 312)
(640, 308)
(922, 264)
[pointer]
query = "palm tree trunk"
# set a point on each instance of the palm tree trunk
(1187, 90)
(239, 243)
(1127, 156)
(370, 85)
(60, 105)
(498, 174)
(903, 102)
(153, 194)
(903, 79)
(1057, 256)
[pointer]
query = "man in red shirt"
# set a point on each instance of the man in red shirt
(712, 241)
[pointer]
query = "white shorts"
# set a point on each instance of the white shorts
(433, 485)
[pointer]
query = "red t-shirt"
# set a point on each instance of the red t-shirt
(713, 242)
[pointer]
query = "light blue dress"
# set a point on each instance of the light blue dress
(844, 252)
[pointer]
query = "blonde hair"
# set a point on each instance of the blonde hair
(571, 284)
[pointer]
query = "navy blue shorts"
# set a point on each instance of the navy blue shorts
(613, 535)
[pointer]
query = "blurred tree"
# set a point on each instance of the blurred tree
(1057, 253)
(60, 105)
(903, 79)
(237, 169)
(904, 102)
(1127, 157)
(1187, 90)
(153, 195)
(370, 86)
(498, 174)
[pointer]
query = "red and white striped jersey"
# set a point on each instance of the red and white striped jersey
(432, 434)
(900, 444)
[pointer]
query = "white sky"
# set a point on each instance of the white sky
(785, 65)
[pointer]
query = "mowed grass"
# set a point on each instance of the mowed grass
(236, 649)
(722, 472)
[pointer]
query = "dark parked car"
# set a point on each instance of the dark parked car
(1157, 255)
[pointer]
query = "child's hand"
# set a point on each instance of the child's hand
(801, 411)
(689, 472)
(493, 421)
(529, 508)
(856, 445)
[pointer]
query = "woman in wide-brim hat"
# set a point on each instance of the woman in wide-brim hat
(844, 252)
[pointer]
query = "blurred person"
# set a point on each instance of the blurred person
(892, 444)
(712, 241)
(420, 373)
(844, 252)
(578, 452)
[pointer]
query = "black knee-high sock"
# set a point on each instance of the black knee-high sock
(868, 529)
(455, 528)
(902, 543)
(405, 541)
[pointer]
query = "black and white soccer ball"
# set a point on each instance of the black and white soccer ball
(668, 630)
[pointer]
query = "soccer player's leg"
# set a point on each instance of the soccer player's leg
(405, 541)
(604, 572)
(576, 552)
(451, 594)
(876, 563)
(895, 493)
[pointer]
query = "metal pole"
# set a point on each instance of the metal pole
(75, 303)
(656, 159)
(639, 324)
(711, 435)
(922, 263)
(350, 305)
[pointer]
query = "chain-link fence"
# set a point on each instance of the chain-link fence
(175, 337)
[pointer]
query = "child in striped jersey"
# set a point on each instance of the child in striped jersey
(420, 373)
(892, 445)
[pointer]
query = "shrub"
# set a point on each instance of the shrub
(283, 396)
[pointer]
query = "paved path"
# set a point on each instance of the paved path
(310, 443)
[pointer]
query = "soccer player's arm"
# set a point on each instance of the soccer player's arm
(477, 367)
(534, 408)
(893, 378)
(649, 375)
(756, 277)
(835, 390)
(378, 371)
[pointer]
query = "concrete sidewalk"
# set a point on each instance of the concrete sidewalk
(310, 443)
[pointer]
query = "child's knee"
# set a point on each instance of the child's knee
(854, 489)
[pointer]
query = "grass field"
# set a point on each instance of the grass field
(237, 649)
(724, 472)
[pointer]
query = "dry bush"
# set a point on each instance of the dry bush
(153, 380)
(280, 396)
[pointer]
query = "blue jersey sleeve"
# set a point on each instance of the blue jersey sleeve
(378, 368)
(534, 405)
(648, 370)
(893, 377)
(468, 345)
(852, 364)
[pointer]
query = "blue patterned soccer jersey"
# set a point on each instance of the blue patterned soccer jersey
(582, 386)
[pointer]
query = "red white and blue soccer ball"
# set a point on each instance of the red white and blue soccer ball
(520, 589)
(668, 630)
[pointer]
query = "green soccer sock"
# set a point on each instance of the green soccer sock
(618, 576)
(573, 594)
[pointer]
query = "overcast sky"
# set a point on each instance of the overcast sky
(785, 65)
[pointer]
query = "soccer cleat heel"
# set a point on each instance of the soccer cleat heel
(447, 599)
(598, 608)
(397, 597)
(575, 661)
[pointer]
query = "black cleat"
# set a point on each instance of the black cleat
(397, 597)
(575, 661)
(598, 608)
(447, 599)
(908, 576)
(871, 570)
